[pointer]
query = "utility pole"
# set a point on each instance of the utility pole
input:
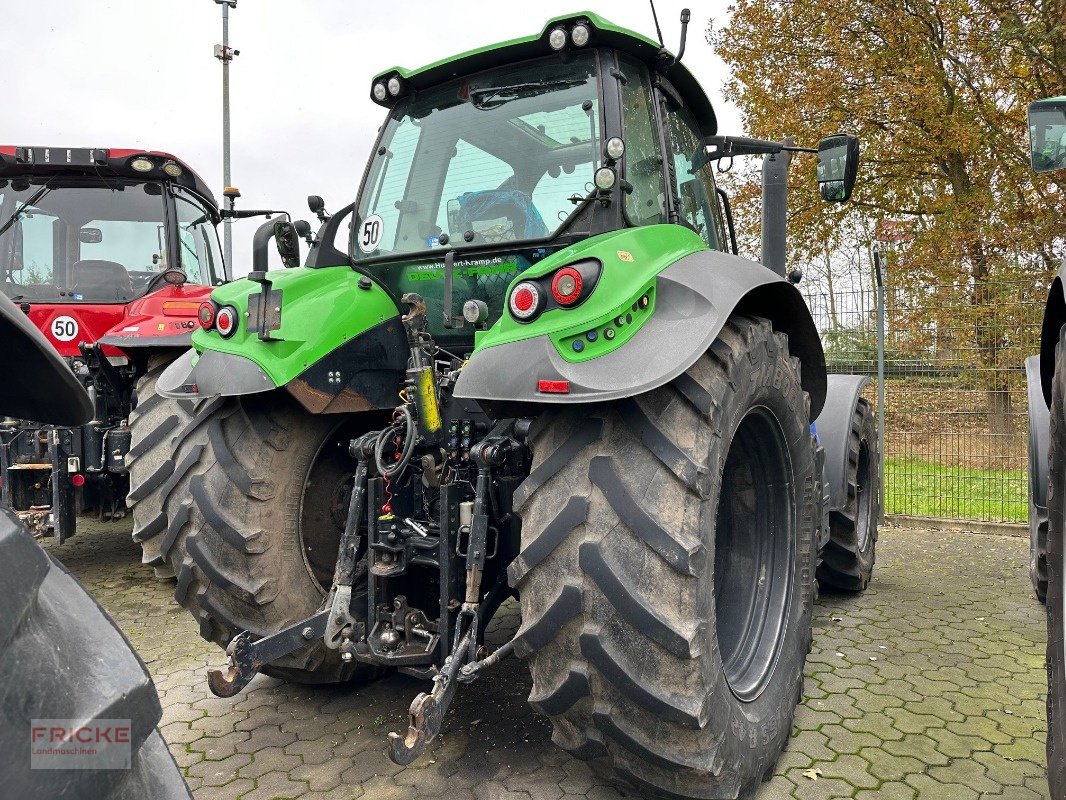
(225, 54)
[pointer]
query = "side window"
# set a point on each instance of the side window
(391, 186)
(38, 249)
(646, 205)
(695, 190)
(198, 243)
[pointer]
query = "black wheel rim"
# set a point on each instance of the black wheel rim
(755, 548)
(324, 505)
(865, 495)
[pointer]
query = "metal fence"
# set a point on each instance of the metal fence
(955, 406)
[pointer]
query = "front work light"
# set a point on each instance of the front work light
(604, 178)
(172, 169)
(557, 39)
(380, 92)
(580, 35)
(394, 86)
(616, 148)
(142, 164)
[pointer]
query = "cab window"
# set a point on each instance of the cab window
(694, 189)
(198, 243)
(646, 204)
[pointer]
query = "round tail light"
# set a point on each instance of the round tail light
(77, 479)
(226, 321)
(206, 315)
(525, 301)
(566, 286)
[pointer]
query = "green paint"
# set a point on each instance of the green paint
(622, 283)
(599, 23)
(321, 309)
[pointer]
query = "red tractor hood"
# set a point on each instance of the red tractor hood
(165, 318)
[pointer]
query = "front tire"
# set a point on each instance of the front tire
(848, 559)
(667, 571)
(1056, 657)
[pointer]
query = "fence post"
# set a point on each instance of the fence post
(879, 274)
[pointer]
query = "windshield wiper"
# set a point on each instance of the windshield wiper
(505, 94)
(18, 211)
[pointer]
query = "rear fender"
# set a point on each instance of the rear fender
(340, 346)
(833, 428)
(163, 319)
(691, 291)
(1039, 433)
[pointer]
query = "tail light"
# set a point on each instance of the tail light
(566, 286)
(206, 315)
(226, 321)
(526, 301)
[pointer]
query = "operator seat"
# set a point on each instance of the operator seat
(102, 281)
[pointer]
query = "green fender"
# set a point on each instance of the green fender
(661, 300)
(340, 346)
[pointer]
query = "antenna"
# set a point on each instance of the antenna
(658, 30)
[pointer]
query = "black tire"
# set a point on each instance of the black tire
(628, 556)
(1038, 521)
(1056, 657)
(62, 657)
(847, 562)
(255, 522)
(157, 425)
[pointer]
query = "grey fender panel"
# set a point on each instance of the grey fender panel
(213, 374)
(694, 298)
(1039, 433)
(834, 430)
(178, 340)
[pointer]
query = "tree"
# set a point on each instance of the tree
(936, 91)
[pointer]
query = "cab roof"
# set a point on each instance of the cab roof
(102, 162)
(604, 33)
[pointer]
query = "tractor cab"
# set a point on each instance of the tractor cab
(109, 253)
(542, 143)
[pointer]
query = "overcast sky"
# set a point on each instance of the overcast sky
(140, 73)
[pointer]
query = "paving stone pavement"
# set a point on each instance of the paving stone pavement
(930, 685)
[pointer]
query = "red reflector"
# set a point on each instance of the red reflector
(553, 387)
(77, 479)
(523, 299)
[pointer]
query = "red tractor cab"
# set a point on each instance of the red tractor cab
(109, 253)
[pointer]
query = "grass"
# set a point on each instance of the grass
(926, 489)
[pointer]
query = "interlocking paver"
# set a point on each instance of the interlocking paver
(930, 685)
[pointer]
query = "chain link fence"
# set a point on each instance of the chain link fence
(955, 405)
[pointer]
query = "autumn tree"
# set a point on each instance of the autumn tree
(936, 91)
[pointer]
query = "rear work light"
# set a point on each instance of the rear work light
(525, 301)
(566, 286)
(206, 315)
(226, 321)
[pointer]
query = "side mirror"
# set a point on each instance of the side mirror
(90, 236)
(288, 242)
(838, 164)
(1047, 134)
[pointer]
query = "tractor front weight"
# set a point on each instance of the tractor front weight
(429, 521)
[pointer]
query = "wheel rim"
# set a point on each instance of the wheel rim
(754, 553)
(865, 492)
(324, 505)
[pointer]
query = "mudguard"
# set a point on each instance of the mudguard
(1051, 331)
(833, 428)
(339, 345)
(162, 319)
(41, 386)
(1039, 433)
(688, 300)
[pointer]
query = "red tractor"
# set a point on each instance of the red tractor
(109, 253)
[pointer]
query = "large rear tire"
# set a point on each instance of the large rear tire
(257, 521)
(848, 559)
(157, 425)
(1056, 644)
(667, 571)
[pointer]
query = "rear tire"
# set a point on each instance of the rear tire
(157, 424)
(257, 522)
(848, 559)
(1056, 657)
(630, 559)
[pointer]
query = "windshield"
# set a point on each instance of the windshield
(492, 159)
(69, 243)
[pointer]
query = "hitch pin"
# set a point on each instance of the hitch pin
(419, 529)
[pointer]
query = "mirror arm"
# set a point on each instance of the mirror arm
(728, 208)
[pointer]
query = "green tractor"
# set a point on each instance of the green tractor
(1047, 452)
(539, 371)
